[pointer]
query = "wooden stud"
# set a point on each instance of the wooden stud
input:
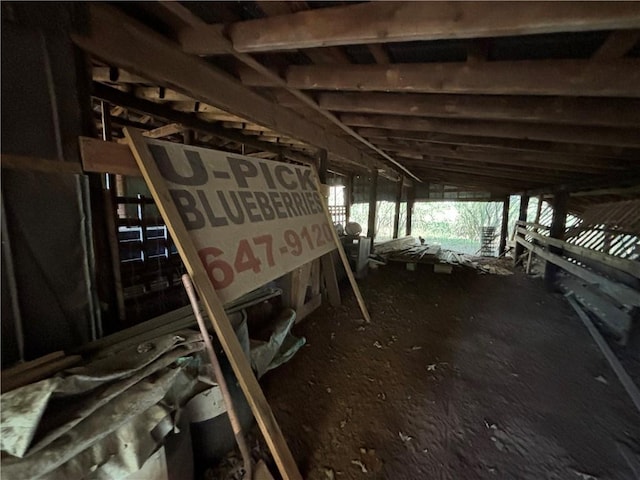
(411, 197)
(330, 278)
(241, 367)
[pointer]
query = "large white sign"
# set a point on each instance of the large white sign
(251, 220)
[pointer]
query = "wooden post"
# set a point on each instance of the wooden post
(522, 216)
(396, 218)
(560, 204)
(505, 226)
(322, 165)
(373, 203)
(411, 198)
(348, 198)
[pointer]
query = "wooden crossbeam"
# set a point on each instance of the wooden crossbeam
(112, 35)
(628, 137)
(165, 131)
(502, 144)
(619, 78)
(612, 112)
(379, 22)
(617, 44)
(539, 160)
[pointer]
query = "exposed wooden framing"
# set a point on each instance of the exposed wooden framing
(628, 137)
(558, 222)
(161, 94)
(624, 265)
(611, 112)
(111, 36)
(373, 203)
(411, 198)
(220, 322)
(502, 144)
(165, 131)
(619, 78)
(197, 26)
(348, 197)
(504, 226)
(410, 21)
(621, 293)
(621, 180)
(522, 217)
(189, 121)
(617, 44)
(45, 165)
(396, 216)
(538, 160)
(107, 157)
(465, 166)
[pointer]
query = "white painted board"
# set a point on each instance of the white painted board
(251, 220)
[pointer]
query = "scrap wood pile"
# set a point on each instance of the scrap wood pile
(410, 250)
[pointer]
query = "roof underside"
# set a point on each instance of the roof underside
(499, 98)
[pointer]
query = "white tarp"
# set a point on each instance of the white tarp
(251, 220)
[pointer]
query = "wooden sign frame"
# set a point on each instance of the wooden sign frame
(213, 306)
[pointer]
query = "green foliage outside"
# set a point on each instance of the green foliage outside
(454, 225)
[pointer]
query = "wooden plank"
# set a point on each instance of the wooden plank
(616, 366)
(330, 279)
(571, 78)
(241, 367)
(373, 204)
(628, 266)
(343, 257)
(627, 137)
(409, 21)
(111, 36)
(165, 131)
(36, 164)
(616, 320)
(621, 293)
(611, 112)
(107, 157)
(396, 214)
(504, 226)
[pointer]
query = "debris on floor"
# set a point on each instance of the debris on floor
(407, 250)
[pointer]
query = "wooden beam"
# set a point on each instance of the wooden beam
(538, 160)
(572, 78)
(409, 21)
(502, 144)
(611, 112)
(220, 322)
(628, 137)
(165, 131)
(380, 55)
(45, 165)
(110, 39)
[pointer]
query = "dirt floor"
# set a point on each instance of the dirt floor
(458, 376)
